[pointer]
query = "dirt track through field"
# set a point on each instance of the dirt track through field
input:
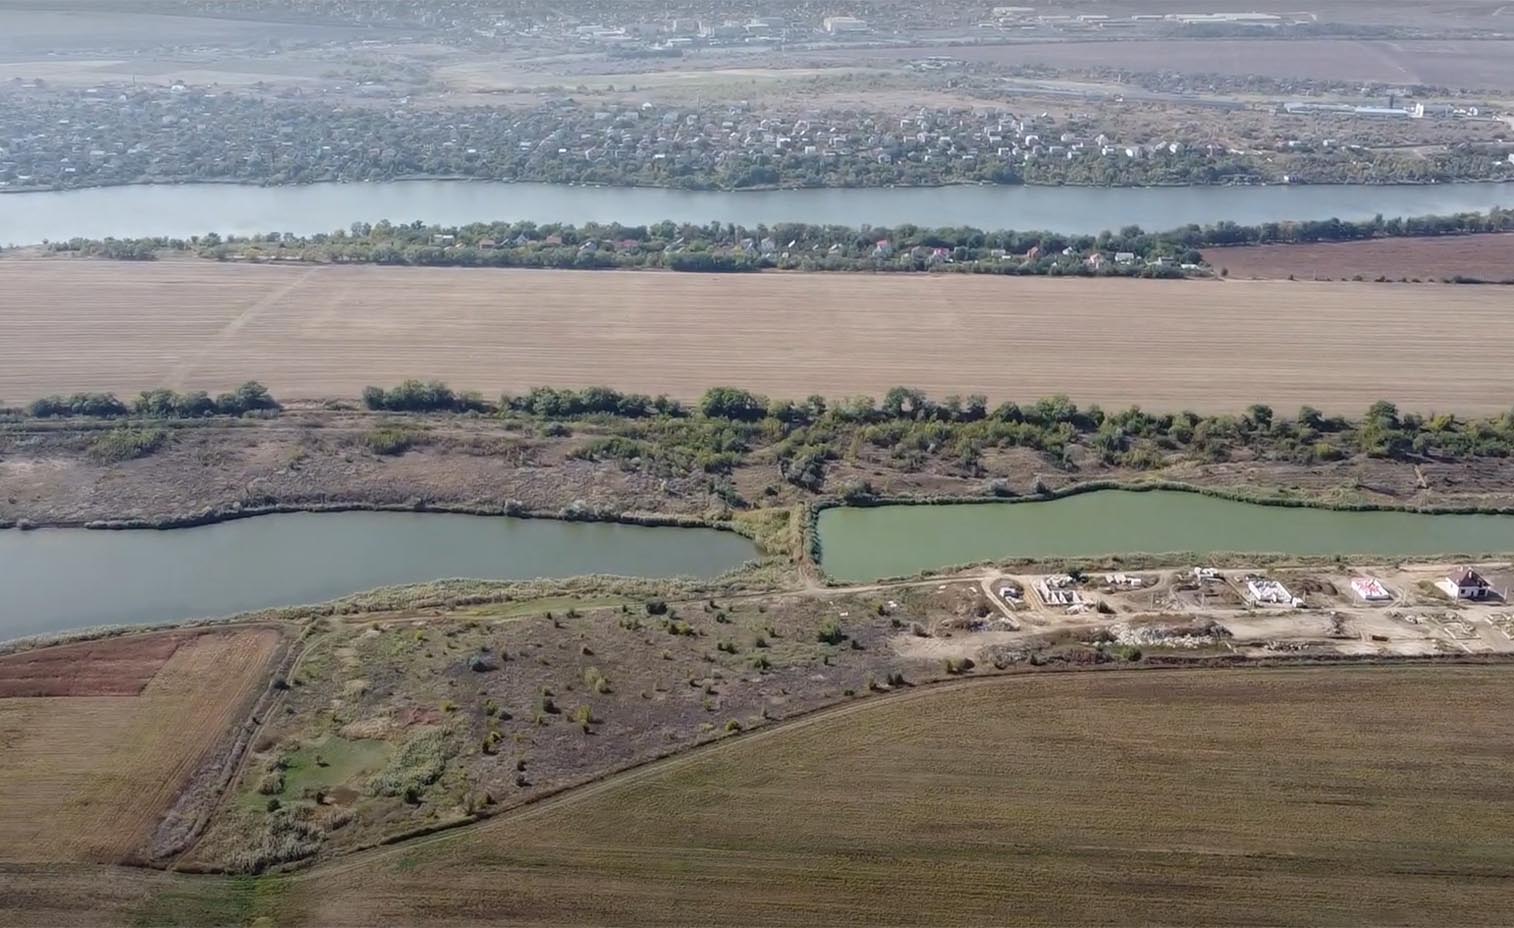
(71, 325)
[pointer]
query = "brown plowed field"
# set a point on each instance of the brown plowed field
(109, 667)
(1481, 257)
(87, 778)
(328, 331)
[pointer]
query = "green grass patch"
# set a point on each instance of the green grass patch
(333, 761)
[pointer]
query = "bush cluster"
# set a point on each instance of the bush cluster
(161, 403)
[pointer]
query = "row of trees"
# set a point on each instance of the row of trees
(720, 247)
(161, 403)
(905, 427)
(726, 420)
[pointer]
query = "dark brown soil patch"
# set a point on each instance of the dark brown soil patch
(110, 667)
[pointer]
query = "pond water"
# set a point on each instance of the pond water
(190, 209)
(60, 579)
(860, 544)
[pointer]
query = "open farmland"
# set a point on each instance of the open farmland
(1339, 796)
(328, 331)
(1479, 257)
(93, 763)
(1478, 64)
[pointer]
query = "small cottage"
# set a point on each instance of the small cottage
(1465, 583)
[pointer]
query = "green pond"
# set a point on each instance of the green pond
(859, 544)
(58, 579)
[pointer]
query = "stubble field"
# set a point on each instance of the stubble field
(92, 765)
(328, 331)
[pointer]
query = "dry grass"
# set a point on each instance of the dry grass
(1361, 796)
(88, 777)
(1480, 257)
(330, 330)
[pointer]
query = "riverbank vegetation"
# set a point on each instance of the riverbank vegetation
(1130, 251)
(716, 434)
(614, 454)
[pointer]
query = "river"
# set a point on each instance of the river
(60, 579)
(861, 544)
(189, 209)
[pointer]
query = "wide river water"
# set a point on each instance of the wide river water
(861, 544)
(60, 579)
(190, 209)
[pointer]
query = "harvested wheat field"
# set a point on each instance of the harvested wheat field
(93, 766)
(1339, 796)
(328, 331)
(1487, 258)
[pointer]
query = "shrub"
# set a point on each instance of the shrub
(126, 444)
(389, 440)
(584, 716)
(415, 396)
(419, 762)
(830, 633)
(656, 607)
(271, 782)
(956, 666)
(288, 834)
(731, 403)
(596, 681)
(102, 405)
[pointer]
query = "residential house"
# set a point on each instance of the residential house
(1465, 583)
